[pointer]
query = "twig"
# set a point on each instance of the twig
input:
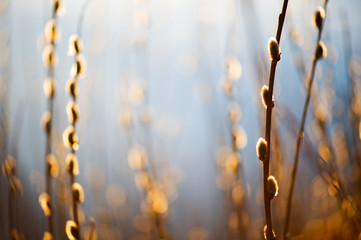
(267, 202)
(304, 114)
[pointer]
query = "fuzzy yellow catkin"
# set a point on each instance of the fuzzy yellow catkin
(45, 122)
(318, 17)
(264, 96)
(71, 87)
(78, 68)
(52, 34)
(49, 56)
(78, 192)
(49, 88)
(261, 149)
(72, 111)
(321, 50)
(272, 187)
(44, 201)
(53, 165)
(75, 45)
(71, 162)
(71, 229)
(70, 139)
(273, 49)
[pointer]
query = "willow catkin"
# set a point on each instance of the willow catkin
(272, 187)
(52, 36)
(72, 231)
(320, 52)
(261, 148)
(265, 97)
(273, 49)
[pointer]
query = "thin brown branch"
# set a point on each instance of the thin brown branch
(301, 130)
(267, 202)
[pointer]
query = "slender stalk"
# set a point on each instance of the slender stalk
(267, 202)
(48, 148)
(77, 49)
(301, 129)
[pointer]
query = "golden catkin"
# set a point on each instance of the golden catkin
(71, 162)
(71, 229)
(78, 68)
(58, 7)
(264, 96)
(71, 87)
(45, 203)
(273, 49)
(157, 200)
(53, 165)
(70, 139)
(49, 56)
(45, 121)
(78, 192)
(72, 111)
(261, 148)
(318, 17)
(75, 45)
(321, 50)
(49, 87)
(272, 187)
(52, 33)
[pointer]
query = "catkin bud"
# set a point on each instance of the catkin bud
(75, 45)
(321, 50)
(58, 7)
(78, 68)
(70, 139)
(71, 87)
(72, 231)
(272, 187)
(45, 203)
(73, 112)
(261, 149)
(49, 56)
(71, 162)
(78, 192)
(273, 49)
(49, 88)
(52, 34)
(265, 97)
(318, 17)
(53, 168)
(46, 122)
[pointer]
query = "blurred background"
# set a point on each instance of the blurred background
(176, 84)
